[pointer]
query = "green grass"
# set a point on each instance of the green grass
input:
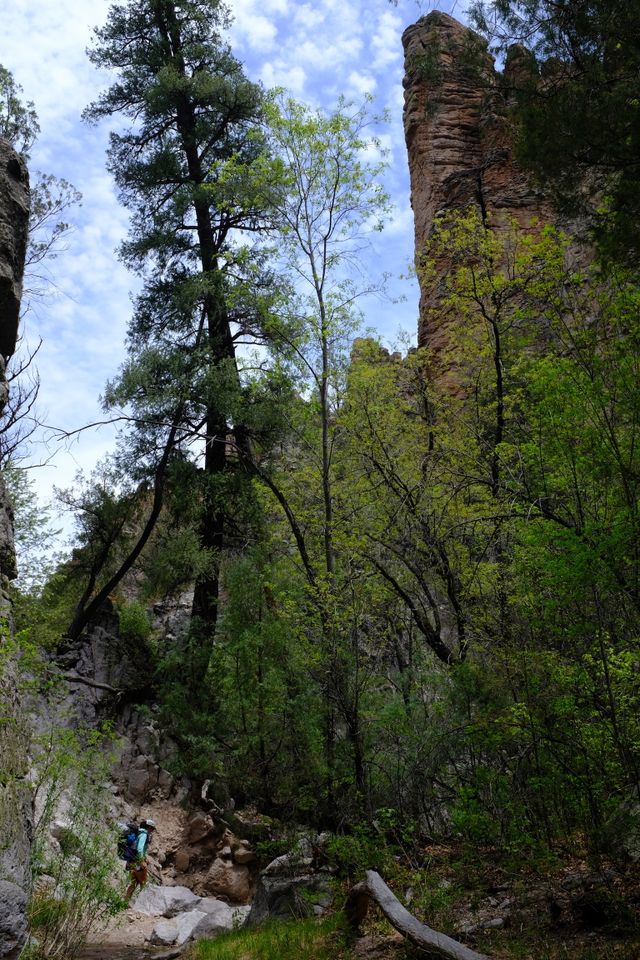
(308, 939)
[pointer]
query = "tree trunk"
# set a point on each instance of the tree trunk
(436, 944)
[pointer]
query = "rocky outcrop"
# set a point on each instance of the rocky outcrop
(293, 885)
(459, 141)
(15, 797)
(14, 223)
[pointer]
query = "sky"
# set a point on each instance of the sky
(316, 50)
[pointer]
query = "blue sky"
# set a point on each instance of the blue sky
(317, 50)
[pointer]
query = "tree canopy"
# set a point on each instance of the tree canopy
(578, 109)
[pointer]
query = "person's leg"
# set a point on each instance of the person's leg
(132, 882)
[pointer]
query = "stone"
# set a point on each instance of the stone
(182, 861)
(155, 901)
(164, 934)
(13, 922)
(230, 880)
(242, 854)
(165, 782)
(287, 898)
(200, 826)
(138, 784)
(495, 923)
(220, 919)
(215, 907)
(187, 923)
(621, 833)
(288, 864)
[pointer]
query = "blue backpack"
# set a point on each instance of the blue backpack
(127, 841)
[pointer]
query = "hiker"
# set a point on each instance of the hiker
(134, 855)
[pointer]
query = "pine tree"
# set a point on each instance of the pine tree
(192, 170)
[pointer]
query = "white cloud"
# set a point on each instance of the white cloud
(385, 40)
(259, 32)
(359, 84)
(306, 17)
(281, 74)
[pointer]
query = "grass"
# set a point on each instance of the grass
(309, 939)
(534, 945)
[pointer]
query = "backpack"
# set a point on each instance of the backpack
(127, 841)
(143, 832)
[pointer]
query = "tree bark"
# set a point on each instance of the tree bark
(436, 944)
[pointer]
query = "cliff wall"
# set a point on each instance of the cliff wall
(15, 795)
(459, 140)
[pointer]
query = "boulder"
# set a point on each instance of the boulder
(210, 918)
(621, 834)
(289, 864)
(243, 854)
(289, 897)
(230, 880)
(165, 782)
(13, 923)
(221, 920)
(200, 826)
(155, 901)
(182, 860)
(164, 934)
(187, 924)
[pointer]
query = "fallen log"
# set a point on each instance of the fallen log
(437, 944)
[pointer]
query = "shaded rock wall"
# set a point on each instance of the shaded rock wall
(459, 141)
(15, 795)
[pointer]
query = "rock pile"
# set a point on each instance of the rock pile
(183, 916)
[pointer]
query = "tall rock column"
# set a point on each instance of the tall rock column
(15, 795)
(458, 142)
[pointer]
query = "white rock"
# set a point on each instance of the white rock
(220, 918)
(215, 907)
(164, 934)
(155, 901)
(187, 923)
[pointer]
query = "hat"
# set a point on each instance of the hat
(149, 823)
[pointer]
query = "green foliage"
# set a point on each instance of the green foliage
(354, 853)
(135, 623)
(33, 533)
(578, 107)
(18, 120)
(71, 890)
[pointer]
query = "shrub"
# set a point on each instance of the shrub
(134, 621)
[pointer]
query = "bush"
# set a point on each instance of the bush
(134, 622)
(72, 888)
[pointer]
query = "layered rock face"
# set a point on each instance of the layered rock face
(15, 796)
(14, 222)
(458, 140)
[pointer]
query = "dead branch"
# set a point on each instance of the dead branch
(74, 678)
(436, 944)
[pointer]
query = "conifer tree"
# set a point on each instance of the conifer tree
(190, 168)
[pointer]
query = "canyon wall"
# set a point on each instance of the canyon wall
(15, 795)
(459, 141)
